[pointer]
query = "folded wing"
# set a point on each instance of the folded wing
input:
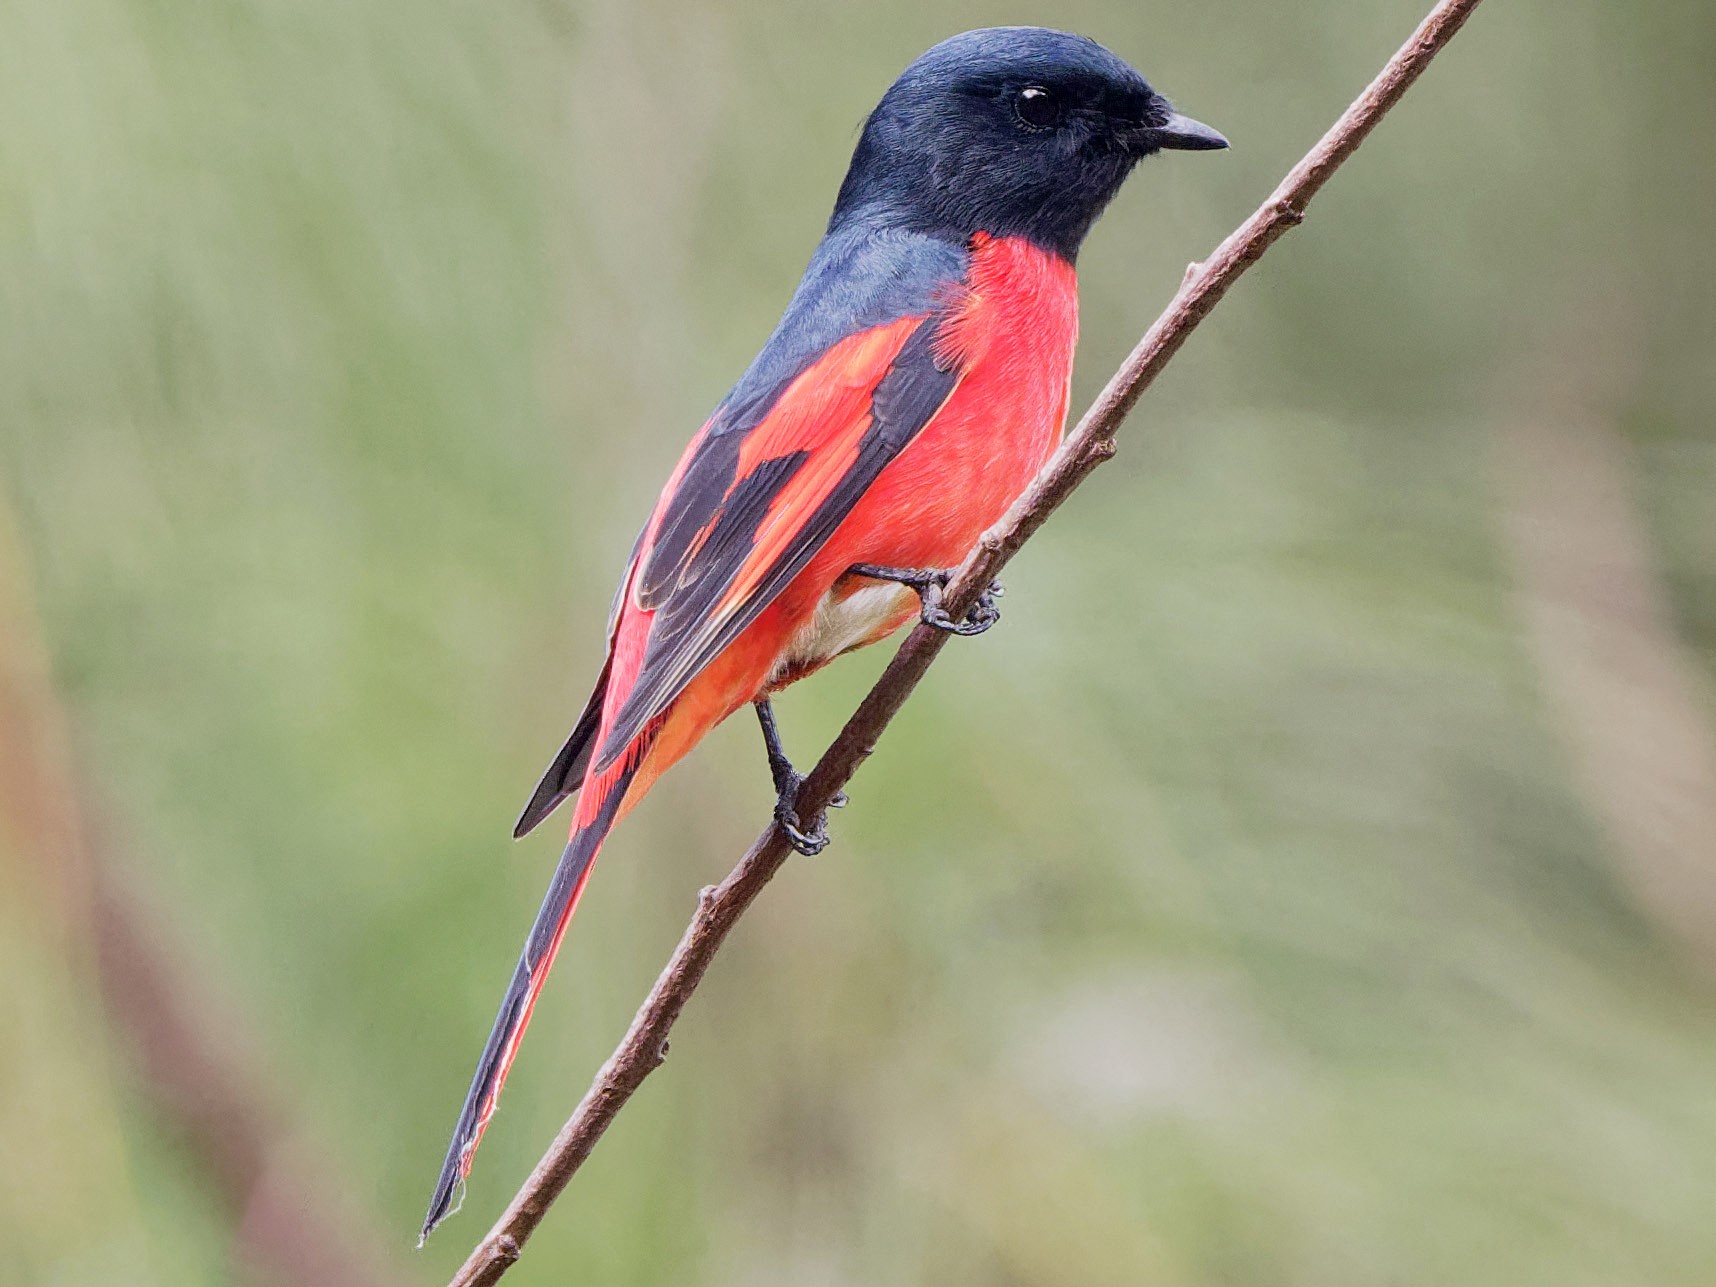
(753, 505)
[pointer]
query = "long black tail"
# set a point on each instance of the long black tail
(521, 993)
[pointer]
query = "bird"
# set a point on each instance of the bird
(915, 384)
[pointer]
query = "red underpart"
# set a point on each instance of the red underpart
(1013, 338)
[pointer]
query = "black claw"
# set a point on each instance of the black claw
(811, 840)
(930, 583)
(809, 843)
(981, 616)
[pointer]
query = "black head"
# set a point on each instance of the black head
(1016, 131)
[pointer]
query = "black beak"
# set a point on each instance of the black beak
(1184, 134)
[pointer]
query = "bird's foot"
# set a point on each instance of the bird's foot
(930, 583)
(808, 840)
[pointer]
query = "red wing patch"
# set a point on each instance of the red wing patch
(751, 508)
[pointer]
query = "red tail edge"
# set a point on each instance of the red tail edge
(546, 932)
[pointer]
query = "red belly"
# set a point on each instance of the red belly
(931, 503)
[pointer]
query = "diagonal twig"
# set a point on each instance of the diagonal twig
(1092, 442)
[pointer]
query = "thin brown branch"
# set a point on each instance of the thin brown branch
(1091, 443)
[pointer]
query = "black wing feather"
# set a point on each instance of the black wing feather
(566, 774)
(682, 641)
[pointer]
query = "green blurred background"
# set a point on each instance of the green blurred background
(1308, 884)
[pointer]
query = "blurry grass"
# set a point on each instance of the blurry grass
(343, 348)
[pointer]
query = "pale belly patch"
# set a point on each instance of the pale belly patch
(842, 623)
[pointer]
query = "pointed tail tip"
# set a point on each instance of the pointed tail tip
(558, 905)
(442, 1204)
(449, 1193)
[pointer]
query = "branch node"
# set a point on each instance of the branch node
(1101, 449)
(507, 1250)
(1192, 270)
(1289, 213)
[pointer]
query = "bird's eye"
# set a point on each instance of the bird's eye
(1037, 108)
